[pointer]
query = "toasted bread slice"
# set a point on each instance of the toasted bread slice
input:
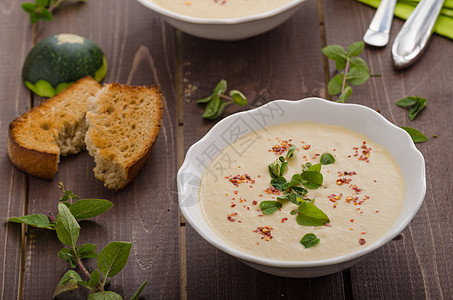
(123, 127)
(57, 126)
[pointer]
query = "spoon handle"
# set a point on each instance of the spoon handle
(414, 35)
(378, 32)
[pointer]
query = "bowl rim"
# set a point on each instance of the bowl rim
(209, 21)
(302, 264)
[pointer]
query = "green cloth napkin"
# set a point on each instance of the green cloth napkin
(403, 9)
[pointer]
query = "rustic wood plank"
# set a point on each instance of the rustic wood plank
(139, 50)
(418, 263)
(15, 36)
(282, 64)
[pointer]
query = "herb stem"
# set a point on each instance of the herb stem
(345, 74)
(82, 268)
(225, 97)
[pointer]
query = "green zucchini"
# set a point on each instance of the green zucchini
(59, 60)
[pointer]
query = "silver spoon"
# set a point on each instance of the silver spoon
(379, 30)
(414, 35)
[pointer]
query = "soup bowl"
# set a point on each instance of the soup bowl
(357, 118)
(226, 29)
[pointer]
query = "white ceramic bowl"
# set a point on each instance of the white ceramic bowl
(227, 29)
(355, 117)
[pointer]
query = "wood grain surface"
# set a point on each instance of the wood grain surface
(285, 63)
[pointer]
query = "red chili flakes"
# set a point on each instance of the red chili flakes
(362, 241)
(284, 220)
(342, 181)
(346, 173)
(230, 218)
(279, 149)
(334, 198)
(236, 192)
(306, 147)
(327, 225)
(364, 152)
(233, 205)
(238, 179)
(377, 211)
(352, 220)
(254, 202)
(272, 190)
(363, 232)
(265, 231)
(355, 188)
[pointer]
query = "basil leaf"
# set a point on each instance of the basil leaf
(357, 76)
(295, 180)
(278, 183)
(87, 251)
(415, 109)
(310, 215)
(213, 106)
(68, 282)
(356, 48)
(69, 256)
(113, 258)
(335, 85)
(139, 291)
(95, 279)
(345, 95)
(269, 207)
(309, 240)
(336, 53)
(67, 226)
(238, 97)
(327, 159)
(359, 63)
(315, 168)
(104, 296)
(291, 150)
(36, 220)
(416, 135)
(406, 102)
(88, 208)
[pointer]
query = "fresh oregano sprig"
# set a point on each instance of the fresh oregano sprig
(354, 70)
(110, 261)
(415, 105)
(42, 9)
(215, 105)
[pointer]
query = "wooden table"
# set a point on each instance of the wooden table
(285, 63)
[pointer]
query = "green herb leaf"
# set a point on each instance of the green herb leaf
(87, 251)
(139, 291)
(104, 296)
(36, 220)
(278, 183)
(291, 150)
(67, 226)
(417, 108)
(293, 212)
(356, 48)
(29, 7)
(307, 166)
(89, 208)
(335, 85)
(336, 53)
(219, 111)
(68, 282)
(314, 168)
(204, 100)
(416, 135)
(269, 207)
(238, 97)
(327, 159)
(359, 63)
(211, 109)
(95, 279)
(278, 167)
(68, 195)
(312, 180)
(357, 76)
(69, 256)
(345, 95)
(300, 191)
(220, 88)
(113, 258)
(295, 180)
(406, 102)
(310, 215)
(309, 240)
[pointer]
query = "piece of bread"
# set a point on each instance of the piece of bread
(123, 126)
(57, 126)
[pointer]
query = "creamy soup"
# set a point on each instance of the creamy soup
(362, 192)
(220, 9)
